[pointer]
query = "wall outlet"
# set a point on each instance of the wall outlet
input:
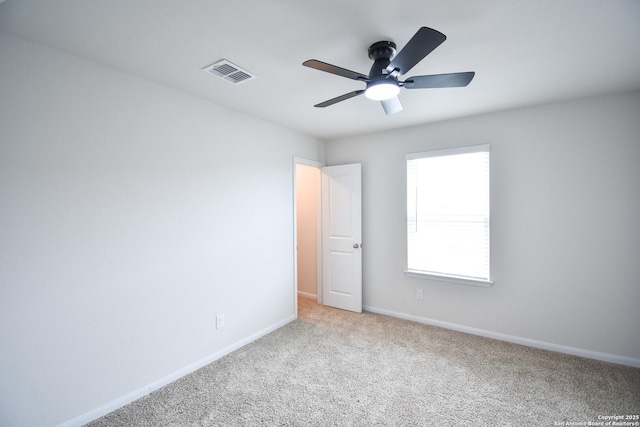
(419, 294)
(219, 321)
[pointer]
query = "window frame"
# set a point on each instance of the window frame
(451, 278)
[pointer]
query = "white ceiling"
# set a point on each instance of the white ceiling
(524, 52)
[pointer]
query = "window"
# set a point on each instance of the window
(448, 214)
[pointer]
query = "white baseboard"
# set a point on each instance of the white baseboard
(307, 295)
(605, 357)
(143, 391)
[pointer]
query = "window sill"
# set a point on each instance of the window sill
(451, 279)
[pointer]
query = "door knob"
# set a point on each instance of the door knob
(356, 246)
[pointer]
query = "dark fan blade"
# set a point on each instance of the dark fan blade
(439, 80)
(339, 98)
(391, 106)
(323, 66)
(420, 45)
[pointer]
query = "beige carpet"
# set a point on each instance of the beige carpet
(335, 368)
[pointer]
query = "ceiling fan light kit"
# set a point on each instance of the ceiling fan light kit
(381, 90)
(382, 83)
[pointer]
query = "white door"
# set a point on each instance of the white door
(342, 237)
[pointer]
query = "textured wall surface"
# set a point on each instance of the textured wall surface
(130, 215)
(565, 235)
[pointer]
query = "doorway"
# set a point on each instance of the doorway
(307, 232)
(328, 234)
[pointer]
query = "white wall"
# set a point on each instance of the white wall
(565, 224)
(308, 209)
(130, 215)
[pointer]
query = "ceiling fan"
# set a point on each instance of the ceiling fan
(382, 82)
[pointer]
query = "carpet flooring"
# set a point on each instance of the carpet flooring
(335, 368)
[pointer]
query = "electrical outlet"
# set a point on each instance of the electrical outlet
(219, 321)
(419, 294)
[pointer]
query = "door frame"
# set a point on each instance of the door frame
(314, 163)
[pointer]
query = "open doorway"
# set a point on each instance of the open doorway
(308, 245)
(328, 234)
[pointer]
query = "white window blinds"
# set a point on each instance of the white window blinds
(448, 213)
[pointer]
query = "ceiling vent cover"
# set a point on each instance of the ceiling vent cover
(230, 72)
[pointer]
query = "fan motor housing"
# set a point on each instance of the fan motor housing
(383, 49)
(381, 53)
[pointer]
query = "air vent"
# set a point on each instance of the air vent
(230, 72)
